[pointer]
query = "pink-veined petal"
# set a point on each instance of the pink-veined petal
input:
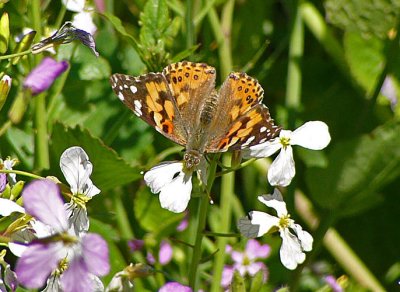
(275, 201)
(313, 135)
(255, 267)
(78, 220)
(262, 150)
(43, 201)
(282, 170)
(95, 253)
(174, 287)
(227, 275)
(175, 196)
(291, 253)
(237, 256)
(37, 262)
(76, 278)
(162, 174)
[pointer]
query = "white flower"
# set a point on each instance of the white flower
(76, 167)
(294, 239)
(313, 135)
(74, 5)
(84, 21)
(173, 184)
(8, 164)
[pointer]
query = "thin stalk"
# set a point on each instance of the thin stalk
(20, 172)
(122, 218)
(294, 80)
(227, 192)
(201, 224)
(189, 24)
(225, 52)
(42, 160)
(10, 56)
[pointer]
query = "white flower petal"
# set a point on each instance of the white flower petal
(275, 201)
(162, 174)
(291, 253)
(84, 21)
(264, 220)
(7, 207)
(175, 196)
(74, 5)
(76, 167)
(262, 150)
(21, 238)
(78, 221)
(305, 238)
(282, 170)
(313, 135)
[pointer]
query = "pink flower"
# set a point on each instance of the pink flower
(246, 262)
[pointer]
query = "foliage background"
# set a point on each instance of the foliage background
(315, 60)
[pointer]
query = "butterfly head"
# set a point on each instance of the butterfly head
(192, 159)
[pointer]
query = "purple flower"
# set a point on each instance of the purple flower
(135, 244)
(175, 287)
(184, 223)
(331, 281)
(245, 262)
(164, 254)
(86, 256)
(43, 76)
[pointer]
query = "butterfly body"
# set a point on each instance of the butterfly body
(182, 104)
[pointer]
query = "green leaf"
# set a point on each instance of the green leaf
(95, 69)
(152, 217)
(357, 170)
(238, 283)
(365, 58)
(4, 33)
(365, 17)
(109, 170)
(155, 21)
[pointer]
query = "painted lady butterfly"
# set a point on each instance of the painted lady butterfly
(182, 104)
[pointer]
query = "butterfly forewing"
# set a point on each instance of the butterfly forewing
(190, 85)
(240, 120)
(150, 98)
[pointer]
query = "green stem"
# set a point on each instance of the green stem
(122, 218)
(19, 172)
(5, 127)
(225, 53)
(189, 24)
(42, 160)
(294, 77)
(294, 80)
(27, 52)
(227, 192)
(201, 224)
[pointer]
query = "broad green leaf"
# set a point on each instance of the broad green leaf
(365, 58)
(109, 170)
(357, 170)
(365, 17)
(152, 217)
(95, 69)
(4, 33)
(155, 21)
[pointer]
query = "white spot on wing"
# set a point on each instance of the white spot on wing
(138, 107)
(248, 141)
(263, 129)
(121, 96)
(133, 89)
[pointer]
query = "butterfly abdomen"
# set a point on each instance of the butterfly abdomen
(208, 110)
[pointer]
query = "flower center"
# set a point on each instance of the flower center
(80, 200)
(246, 261)
(285, 141)
(284, 221)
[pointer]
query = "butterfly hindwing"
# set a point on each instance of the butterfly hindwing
(149, 97)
